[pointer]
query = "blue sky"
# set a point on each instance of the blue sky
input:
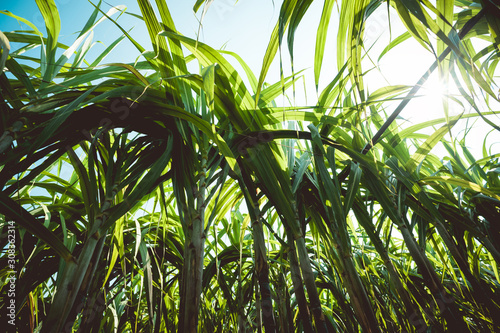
(244, 27)
(236, 26)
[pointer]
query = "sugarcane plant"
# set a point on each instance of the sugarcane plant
(151, 195)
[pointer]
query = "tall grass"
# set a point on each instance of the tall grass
(150, 198)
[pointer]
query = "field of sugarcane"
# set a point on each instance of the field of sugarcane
(145, 196)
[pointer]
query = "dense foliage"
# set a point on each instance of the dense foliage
(147, 197)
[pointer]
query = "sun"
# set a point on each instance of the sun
(428, 103)
(433, 100)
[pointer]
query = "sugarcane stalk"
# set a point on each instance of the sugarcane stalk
(192, 275)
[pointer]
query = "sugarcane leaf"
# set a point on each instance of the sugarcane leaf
(59, 117)
(15, 212)
(459, 182)
(144, 187)
(428, 145)
(50, 15)
(321, 39)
